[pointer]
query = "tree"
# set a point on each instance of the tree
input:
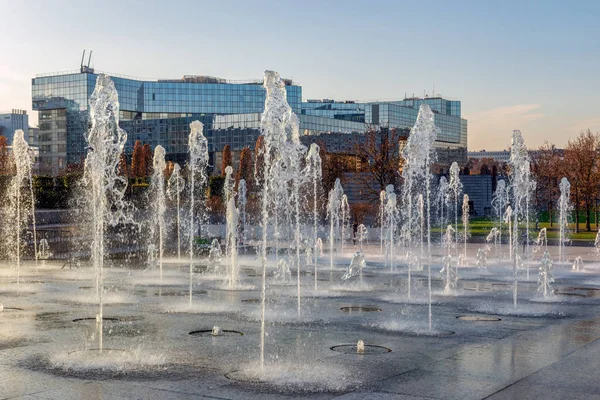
(332, 167)
(245, 170)
(582, 156)
(259, 162)
(382, 160)
(547, 167)
(123, 165)
(226, 159)
(147, 156)
(4, 156)
(137, 162)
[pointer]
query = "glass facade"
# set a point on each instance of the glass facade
(155, 112)
(159, 113)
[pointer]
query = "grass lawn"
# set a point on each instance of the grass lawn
(482, 227)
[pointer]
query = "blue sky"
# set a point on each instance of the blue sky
(529, 65)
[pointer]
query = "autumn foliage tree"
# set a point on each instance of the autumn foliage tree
(226, 159)
(137, 162)
(259, 162)
(123, 171)
(147, 155)
(582, 156)
(4, 156)
(245, 170)
(380, 151)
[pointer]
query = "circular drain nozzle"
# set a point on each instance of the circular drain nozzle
(368, 349)
(88, 319)
(350, 309)
(222, 332)
(478, 318)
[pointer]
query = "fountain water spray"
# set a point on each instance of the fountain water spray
(499, 203)
(448, 274)
(546, 275)
(231, 217)
(481, 260)
(314, 172)
(357, 264)
(232, 242)
(198, 148)
(215, 256)
(334, 204)
(344, 221)
(465, 221)
(158, 203)
(21, 201)
(494, 236)
(282, 153)
(508, 219)
(455, 186)
(419, 155)
(105, 187)
(597, 244)
(44, 252)
(381, 217)
(578, 264)
(542, 240)
(242, 200)
(391, 212)
(175, 186)
(522, 185)
(441, 200)
(362, 234)
(565, 208)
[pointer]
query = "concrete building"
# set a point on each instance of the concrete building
(12, 121)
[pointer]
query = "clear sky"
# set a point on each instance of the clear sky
(528, 65)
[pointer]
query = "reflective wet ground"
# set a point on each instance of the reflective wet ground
(157, 346)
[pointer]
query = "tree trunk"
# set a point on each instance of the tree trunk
(588, 228)
(576, 211)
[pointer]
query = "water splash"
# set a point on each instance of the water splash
(360, 347)
(597, 244)
(197, 164)
(314, 172)
(283, 274)
(357, 264)
(546, 275)
(158, 203)
(281, 166)
(242, 201)
(105, 188)
(542, 240)
(565, 210)
(362, 234)
(481, 260)
(441, 199)
(334, 205)
(494, 236)
(21, 203)
(578, 264)
(448, 275)
(175, 186)
(522, 186)
(455, 189)
(465, 221)
(215, 256)
(382, 219)
(392, 217)
(499, 203)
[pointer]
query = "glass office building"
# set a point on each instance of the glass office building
(159, 113)
(155, 112)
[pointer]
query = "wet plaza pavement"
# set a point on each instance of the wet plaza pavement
(544, 348)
